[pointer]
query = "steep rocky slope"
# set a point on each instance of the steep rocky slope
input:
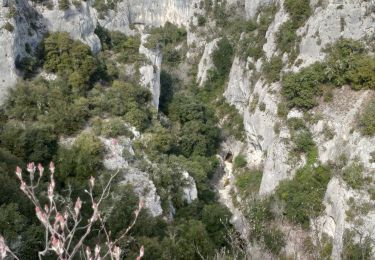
(267, 144)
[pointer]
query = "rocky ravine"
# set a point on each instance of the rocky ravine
(263, 147)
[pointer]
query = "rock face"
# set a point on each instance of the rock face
(30, 23)
(79, 21)
(206, 63)
(267, 149)
(252, 7)
(190, 190)
(349, 19)
(148, 12)
(140, 181)
(21, 31)
(150, 73)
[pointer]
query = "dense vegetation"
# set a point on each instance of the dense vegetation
(304, 194)
(93, 96)
(91, 92)
(347, 62)
(287, 40)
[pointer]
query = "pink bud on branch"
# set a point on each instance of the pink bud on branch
(40, 169)
(77, 206)
(92, 182)
(52, 167)
(88, 253)
(50, 191)
(23, 186)
(95, 213)
(31, 167)
(3, 248)
(57, 245)
(19, 173)
(116, 253)
(97, 251)
(141, 253)
(60, 220)
(41, 215)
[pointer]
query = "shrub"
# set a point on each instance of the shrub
(361, 73)
(165, 37)
(271, 69)
(232, 121)
(303, 195)
(31, 143)
(259, 214)
(70, 58)
(367, 119)
(111, 128)
(82, 160)
(328, 132)
(274, 240)
(286, 36)
(301, 89)
(138, 117)
(299, 11)
(353, 175)
(64, 5)
(239, 161)
(356, 250)
(67, 116)
(248, 182)
(27, 65)
(347, 62)
(262, 106)
(162, 142)
(215, 217)
(282, 109)
(222, 56)
(304, 142)
(8, 26)
(201, 20)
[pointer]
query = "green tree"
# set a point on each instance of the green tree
(216, 219)
(81, 161)
(222, 56)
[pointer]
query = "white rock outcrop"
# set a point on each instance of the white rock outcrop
(265, 148)
(80, 22)
(190, 191)
(20, 32)
(150, 73)
(205, 64)
(148, 12)
(348, 19)
(139, 180)
(252, 7)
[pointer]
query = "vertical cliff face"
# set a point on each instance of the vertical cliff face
(324, 24)
(265, 145)
(26, 24)
(328, 22)
(79, 21)
(150, 73)
(148, 12)
(21, 31)
(31, 21)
